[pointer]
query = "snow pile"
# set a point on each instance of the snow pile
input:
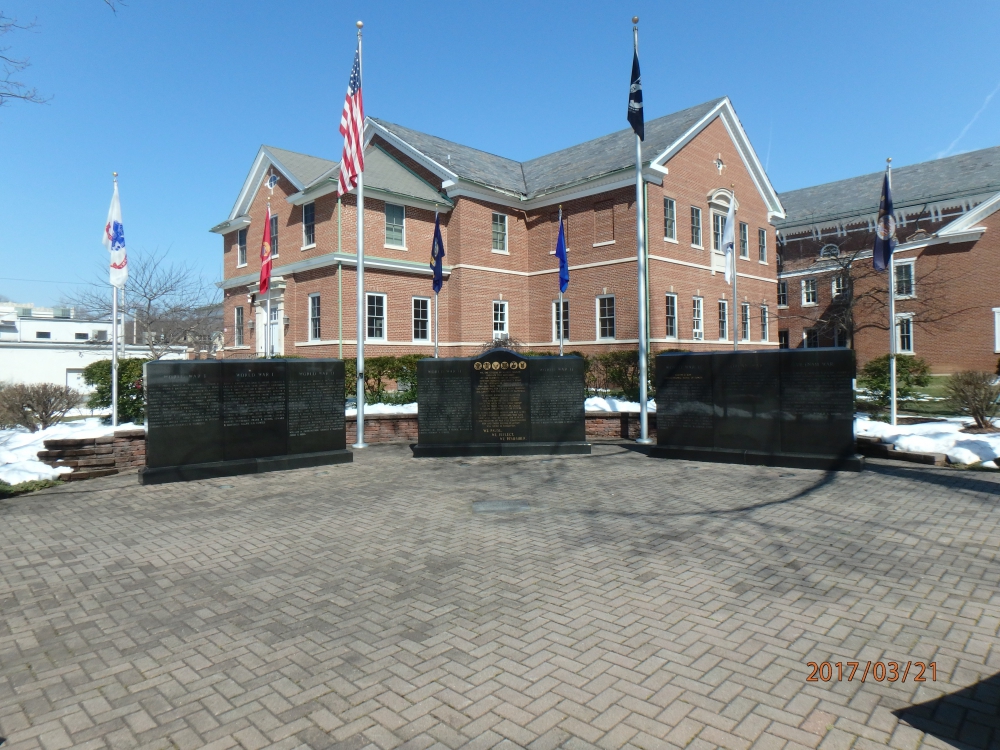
(19, 448)
(936, 437)
(598, 403)
(384, 409)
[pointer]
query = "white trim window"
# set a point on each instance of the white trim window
(904, 278)
(308, 225)
(669, 219)
(563, 318)
(395, 225)
(762, 245)
(996, 329)
(274, 235)
(696, 227)
(764, 323)
(697, 321)
(315, 331)
(606, 316)
(744, 321)
(241, 248)
(810, 338)
(499, 233)
(782, 294)
(809, 294)
(718, 229)
(904, 334)
(839, 337)
(744, 240)
(672, 316)
(723, 319)
(837, 286)
(238, 326)
(500, 318)
(375, 317)
(421, 319)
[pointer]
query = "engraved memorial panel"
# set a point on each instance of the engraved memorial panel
(316, 406)
(254, 409)
(557, 396)
(444, 400)
(817, 410)
(500, 398)
(183, 412)
(685, 409)
(745, 391)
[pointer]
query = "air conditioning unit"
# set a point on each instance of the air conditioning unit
(286, 320)
(501, 336)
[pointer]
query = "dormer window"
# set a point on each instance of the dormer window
(829, 251)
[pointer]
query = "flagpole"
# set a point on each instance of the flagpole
(736, 304)
(559, 317)
(641, 263)
(114, 345)
(361, 287)
(892, 317)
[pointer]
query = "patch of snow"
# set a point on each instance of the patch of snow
(384, 409)
(935, 437)
(19, 448)
(599, 403)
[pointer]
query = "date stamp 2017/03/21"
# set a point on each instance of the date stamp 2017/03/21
(880, 671)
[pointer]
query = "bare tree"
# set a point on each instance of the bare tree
(11, 88)
(170, 303)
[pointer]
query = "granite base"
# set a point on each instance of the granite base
(216, 469)
(759, 458)
(499, 449)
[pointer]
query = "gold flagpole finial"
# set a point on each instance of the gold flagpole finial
(888, 160)
(635, 19)
(115, 175)
(360, 25)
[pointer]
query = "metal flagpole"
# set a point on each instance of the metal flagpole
(892, 317)
(436, 325)
(640, 209)
(736, 303)
(267, 326)
(559, 317)
(361, 288)
(114, 356)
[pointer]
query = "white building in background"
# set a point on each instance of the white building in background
(50, 345)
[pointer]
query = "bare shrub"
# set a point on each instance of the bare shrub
(975, 394)
(36, 405)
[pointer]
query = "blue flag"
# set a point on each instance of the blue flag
(437, 253)
(561, 255)
(885, 228)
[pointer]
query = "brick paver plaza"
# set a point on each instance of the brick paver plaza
(610, 600)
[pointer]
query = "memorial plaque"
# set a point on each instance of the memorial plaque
(183, 412)
(316, 405)
(745, 391)
(444, 401)
(685, 408)
(557, 396)
(817, 401)
(254, 409)
(500, 401)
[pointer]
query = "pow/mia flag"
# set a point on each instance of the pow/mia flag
(635, 99)
(885, 228)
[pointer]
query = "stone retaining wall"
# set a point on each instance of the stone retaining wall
(130, 450)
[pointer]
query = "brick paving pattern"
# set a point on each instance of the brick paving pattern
(609, 601)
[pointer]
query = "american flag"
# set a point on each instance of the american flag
(352, 123)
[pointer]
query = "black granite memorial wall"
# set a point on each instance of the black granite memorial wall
(500, 403)
(209, 419)
(790, 407)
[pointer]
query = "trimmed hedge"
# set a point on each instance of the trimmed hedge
(131, 396)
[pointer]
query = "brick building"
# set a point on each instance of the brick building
(947, 300)
(499, 221)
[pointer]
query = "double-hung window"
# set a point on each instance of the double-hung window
(308, 225)
(718, 228)
(782, 294)
(395, 225)
(421, 319)
(695, 226)
(762, 245)
(376, 316)
(500, 319)
(606, 317)
(274, 236)
(238, 327)
(697, 309)
(671, 316)
(810, 338)
(669, 219)
(809, 296)
(241, 247)
(744, 240)
(745, 321)
(560, 318)
(838, 285)
(723, 320)
(763, 323)
(904, 278)
(315, 332)
(499, 233)
(904, 334)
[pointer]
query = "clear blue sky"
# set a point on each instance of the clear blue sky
(177, 96)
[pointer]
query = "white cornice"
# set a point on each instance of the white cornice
(332, 259)
(231, 225)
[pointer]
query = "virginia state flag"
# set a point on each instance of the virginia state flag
(437, 254)
(114, 241)
(885, 228)
(561, 255)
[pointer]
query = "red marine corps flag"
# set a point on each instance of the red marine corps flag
(265, 253)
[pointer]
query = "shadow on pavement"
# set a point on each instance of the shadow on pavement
(968, 719)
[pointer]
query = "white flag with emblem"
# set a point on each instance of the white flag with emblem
(729, 240)
(114, 241)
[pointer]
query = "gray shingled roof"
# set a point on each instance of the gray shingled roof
(602, 155)
(382, 172)
(303, 167)
(976, 172)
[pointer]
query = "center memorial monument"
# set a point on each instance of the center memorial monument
(500, 404)
(786, 407)
(218, 418)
